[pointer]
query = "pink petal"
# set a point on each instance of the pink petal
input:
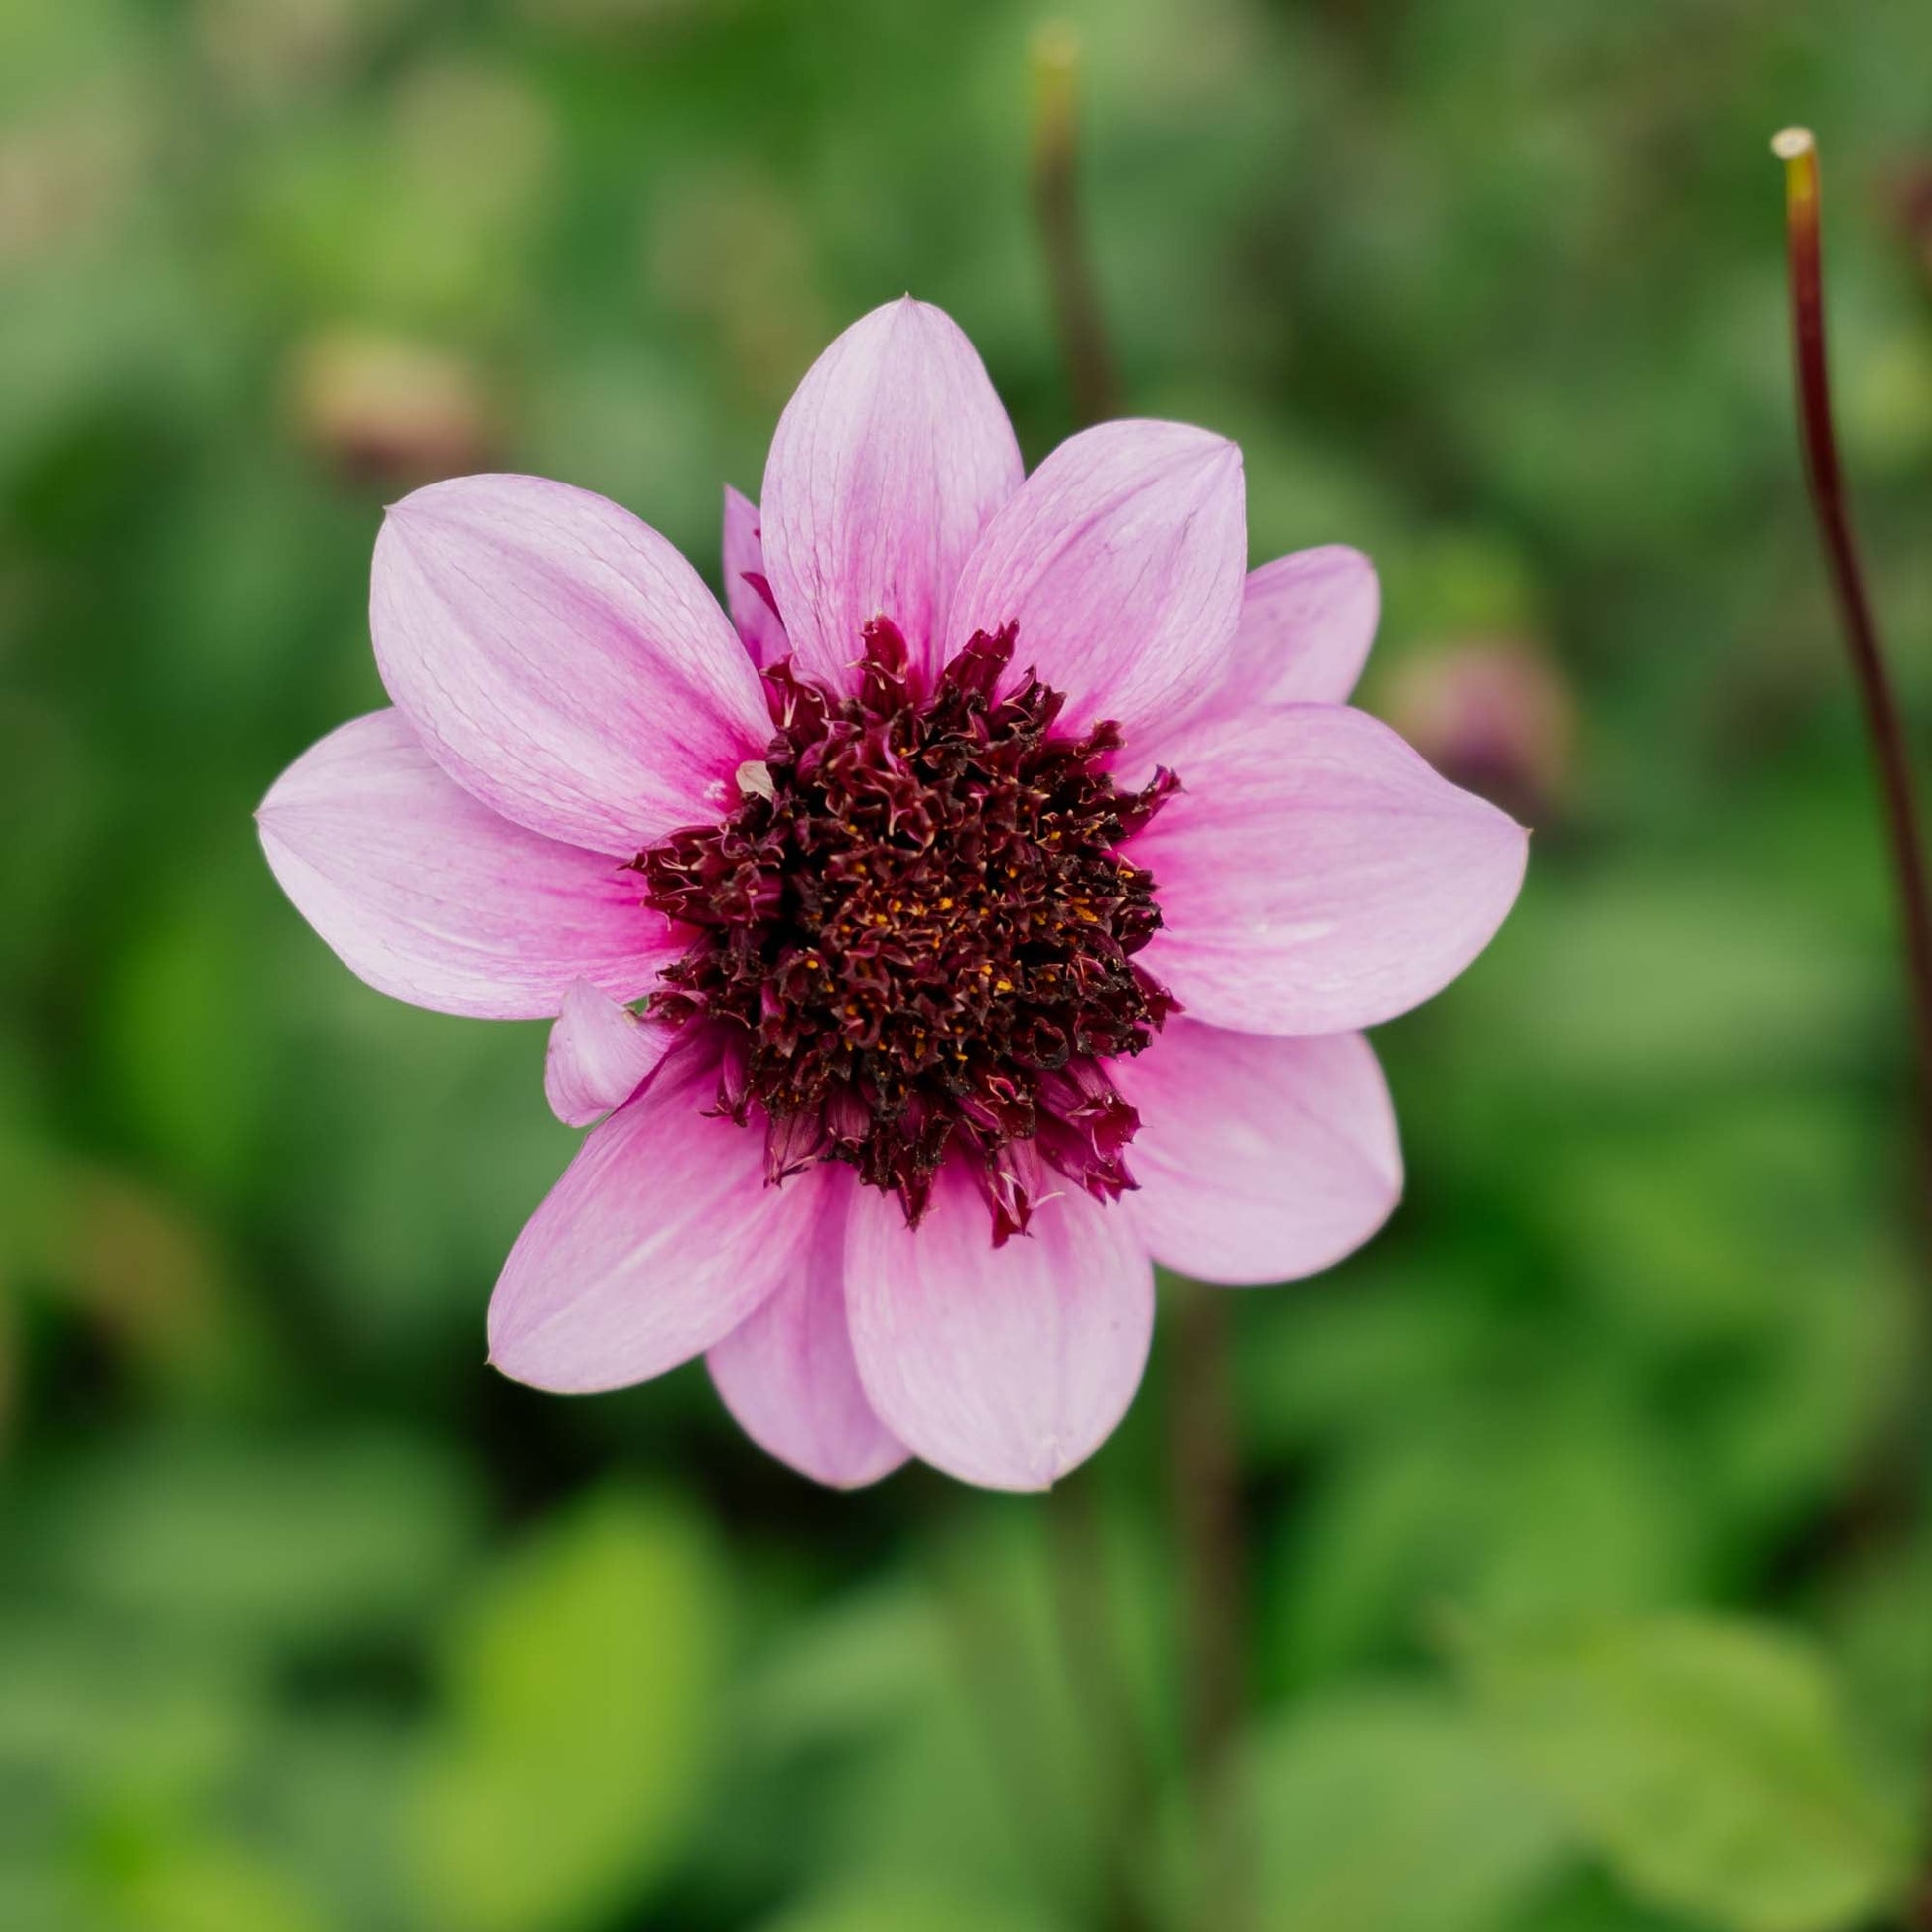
(1002, 1366)
(787, 1373)
(561, 660)
(600, 1055)
(1121, 560)
(1315, 874)
(1258, 1159)
(746, 589)
(884, 469)
(430, 896)
(660, 1238)
(1306, 624)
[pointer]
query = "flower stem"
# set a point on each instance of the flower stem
(1205, 1459)
(1056, 60)
(1796, 148)
(1215, 1580)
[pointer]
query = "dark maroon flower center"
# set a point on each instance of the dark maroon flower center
(918, 933)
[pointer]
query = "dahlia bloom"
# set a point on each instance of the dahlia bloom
(985, 910)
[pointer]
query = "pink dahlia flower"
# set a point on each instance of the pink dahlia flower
(983, 910)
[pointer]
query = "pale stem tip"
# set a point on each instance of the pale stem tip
(1056, 47)
(1054, 55)
(1793, 143)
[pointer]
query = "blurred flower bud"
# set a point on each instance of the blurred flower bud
(69, 174)
(148, 1278)
(1494, 716)
(1911, 206)
(269, 56)
(385, 412)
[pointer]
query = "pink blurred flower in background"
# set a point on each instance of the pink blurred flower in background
(986, 909)
(1493, 714)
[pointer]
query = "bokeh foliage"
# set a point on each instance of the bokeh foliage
(1587, 1597)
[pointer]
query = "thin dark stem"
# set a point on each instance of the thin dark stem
(1799, 153)
(1056, 202)
(1796, 148)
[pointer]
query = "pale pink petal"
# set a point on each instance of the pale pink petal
(1002, 1366)
(1315, 874)
(660, 1238)
(787, 1373)
(428, 895)
(1306, 624)
(1259, 1160)
(561, 660)
(1121, 560)
(747, 591)
(885, 467)
(1307, 620)
(600, 1055)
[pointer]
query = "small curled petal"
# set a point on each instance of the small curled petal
(600, 1055)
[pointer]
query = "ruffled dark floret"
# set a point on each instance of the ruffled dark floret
(918, 933)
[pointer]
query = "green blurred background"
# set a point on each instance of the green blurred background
(1586, 1593)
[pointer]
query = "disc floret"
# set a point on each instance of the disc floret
(916, 933)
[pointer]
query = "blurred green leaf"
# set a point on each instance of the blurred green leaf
(1556, 1497)
(36, 1889)
(907, 1909)
(583, 1688)
(943, 1733)
(1877, 1616)
(1647, 981)
(233, 1538)
(1745, 1251)
(326, 1791)
(1388, 1810)
(187, 1881)
(89, 1719)
(1708, 1762)
(845, 1670)
(1590, 1903)
(1320, 1365)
